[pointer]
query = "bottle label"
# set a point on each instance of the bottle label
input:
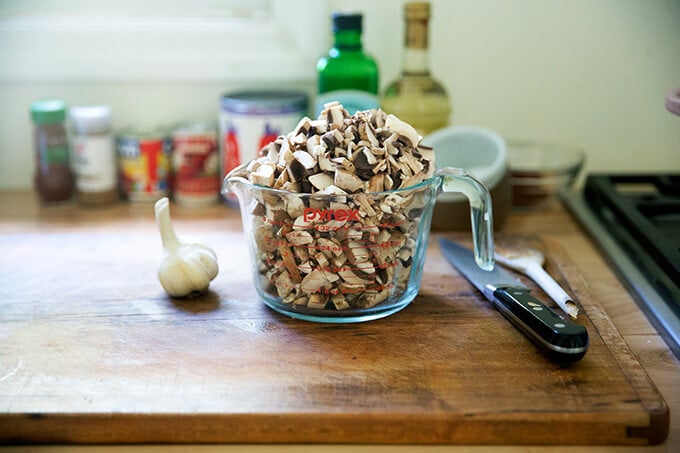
(52, 146)
(94, 161)
(351, 100)
(56, 155)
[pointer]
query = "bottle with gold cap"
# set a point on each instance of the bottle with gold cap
(416, 97)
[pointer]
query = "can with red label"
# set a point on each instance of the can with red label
(195, 165)
(144, 165)
(249, 120)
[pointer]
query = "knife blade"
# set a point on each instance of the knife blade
(560, 338)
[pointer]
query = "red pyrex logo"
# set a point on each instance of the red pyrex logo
(323, 215)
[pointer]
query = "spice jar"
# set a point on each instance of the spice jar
(94, 157)
(53, 179)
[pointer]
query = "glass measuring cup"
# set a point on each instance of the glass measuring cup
(349, 258)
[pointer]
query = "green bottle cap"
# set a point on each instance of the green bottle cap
(346, 21)
(48, 111)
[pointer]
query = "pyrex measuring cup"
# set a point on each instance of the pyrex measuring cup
(348, 258)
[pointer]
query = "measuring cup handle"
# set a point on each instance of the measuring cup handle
(459, 180)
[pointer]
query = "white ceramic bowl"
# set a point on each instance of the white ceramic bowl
(483, 153)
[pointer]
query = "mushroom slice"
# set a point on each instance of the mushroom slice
(314, 142)
(313, 282)
(317, 301)
(307, 160)
(334, 190)
(339, 260)
(403, 129)
(388, 183)
(321, 181)
(263, 176)
(351, 289)
(319, 126)
(301, 300)
(364, 163)
(300, 223)
(350, 277)
(328, 247)
(363, 202)
(295, 206)
(335, 116)
(289, 261)
(339, 302)
(347, 181)
(322, 261)
(366, 267)
(291, 186)
(281, 180)
(412, 180)
(303, 126)
(370, 135)
(298, 238)
(306, 267)
(285, 154)
(296, 170)
(357, 252)
(299, 140)
(426, 152)
(284, 284)
(325, 164)
(376, 183)
(332, 277)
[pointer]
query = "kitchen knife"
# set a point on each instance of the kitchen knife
(560, 338)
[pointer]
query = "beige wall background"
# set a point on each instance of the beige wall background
(593, 73)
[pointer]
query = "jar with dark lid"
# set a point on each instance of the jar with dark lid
(94, 156)
(53, 179)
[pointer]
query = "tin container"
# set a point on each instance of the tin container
(251, 119)
(196, 180)
(144, 166)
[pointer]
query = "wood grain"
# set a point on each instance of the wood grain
(93, 351)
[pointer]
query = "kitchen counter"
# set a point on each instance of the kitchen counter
(19, 214)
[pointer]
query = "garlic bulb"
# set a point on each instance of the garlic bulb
(186, 267)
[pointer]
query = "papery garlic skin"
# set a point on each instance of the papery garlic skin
(186, 267)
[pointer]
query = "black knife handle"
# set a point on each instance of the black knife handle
(562, 339)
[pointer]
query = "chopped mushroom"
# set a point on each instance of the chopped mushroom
(349, 244)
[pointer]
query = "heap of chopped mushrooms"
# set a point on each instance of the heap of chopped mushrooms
(350, 242)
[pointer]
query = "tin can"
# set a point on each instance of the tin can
(144, 165)
(249, 120)
(195, 165)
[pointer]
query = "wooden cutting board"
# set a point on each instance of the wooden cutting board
(93, 351)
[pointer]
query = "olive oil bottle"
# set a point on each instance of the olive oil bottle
(416, 97)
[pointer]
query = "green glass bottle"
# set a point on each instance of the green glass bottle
(347, 74)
